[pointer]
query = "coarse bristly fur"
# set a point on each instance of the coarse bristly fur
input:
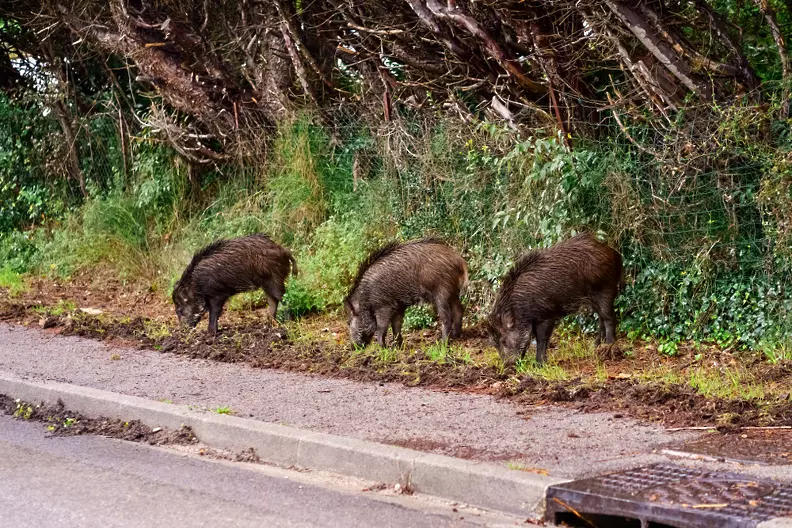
(547, 284)
(227, 267)
(399, 275)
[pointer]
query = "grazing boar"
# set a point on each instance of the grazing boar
(400, 275)
(228, 267)
(544, 285)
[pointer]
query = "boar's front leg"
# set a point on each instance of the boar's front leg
(396, 324)
(544, 329)
(215, 309)
(383, 318)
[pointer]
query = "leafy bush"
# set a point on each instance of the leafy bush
(328, 264)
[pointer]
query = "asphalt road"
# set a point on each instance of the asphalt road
(91, 481)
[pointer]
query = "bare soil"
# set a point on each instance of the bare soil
(135, 315)
(767, 446)
(62, 422)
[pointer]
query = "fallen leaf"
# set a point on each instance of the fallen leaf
(705, 506)
(538, 471)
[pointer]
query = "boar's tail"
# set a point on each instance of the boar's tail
(294, 269)
(463, 283)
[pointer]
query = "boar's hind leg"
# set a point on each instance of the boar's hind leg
(215, 309)
(601, 333)
(272, 304)
(607, 319)
(444, 314)
(456, 314)
(396, 324)
(543, 329)
(274, 291)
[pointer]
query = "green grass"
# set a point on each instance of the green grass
(58, 309)
(12, 281)
(386, 355)
(776, 351)
(156, 330)
(726, 383)
(443, 352)
(549, 371)
(225, 410)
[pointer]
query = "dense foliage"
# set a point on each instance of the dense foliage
(132, 133)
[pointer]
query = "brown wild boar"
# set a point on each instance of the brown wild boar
(228, 267)
(400, 275)
(544, 285)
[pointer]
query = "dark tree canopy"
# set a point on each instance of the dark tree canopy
(209, 76)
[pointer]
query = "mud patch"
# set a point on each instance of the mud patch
(62, 422)
(673, 405)
(457, 451)
(767, 446)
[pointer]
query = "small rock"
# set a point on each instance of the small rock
(91, 311)
(48, 322)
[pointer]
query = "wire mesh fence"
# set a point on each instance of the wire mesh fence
(704, 241)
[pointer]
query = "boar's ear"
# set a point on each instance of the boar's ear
(508, 319)
(349, 306)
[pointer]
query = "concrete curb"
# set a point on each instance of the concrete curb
(475, 483)
(779, 522)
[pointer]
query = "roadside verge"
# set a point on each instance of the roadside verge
(475, 483)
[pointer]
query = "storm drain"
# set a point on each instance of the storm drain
(664, 495)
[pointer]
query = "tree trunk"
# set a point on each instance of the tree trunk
(73, 158)
(782, 51)
(660, 49)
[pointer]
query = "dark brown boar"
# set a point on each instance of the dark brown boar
(544, 285)
(400, 275)
(228, 267)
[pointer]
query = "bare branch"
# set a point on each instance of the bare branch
(660, 49)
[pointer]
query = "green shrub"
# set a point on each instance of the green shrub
(328, 264)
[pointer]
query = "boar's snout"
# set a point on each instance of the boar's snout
(510, 340)
(359, 333)
(188, 318)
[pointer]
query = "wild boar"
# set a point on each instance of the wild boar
(544, 285)
(227, 267)
(400, 275)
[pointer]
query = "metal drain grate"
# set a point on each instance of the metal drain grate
(668, 495)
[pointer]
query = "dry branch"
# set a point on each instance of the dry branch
(660, 49)
(782, 50)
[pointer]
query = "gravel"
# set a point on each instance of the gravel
(562, 441)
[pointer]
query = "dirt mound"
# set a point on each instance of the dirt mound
(768, 446)
(61, 422)
(673, 405)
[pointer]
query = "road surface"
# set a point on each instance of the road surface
(88, 481)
